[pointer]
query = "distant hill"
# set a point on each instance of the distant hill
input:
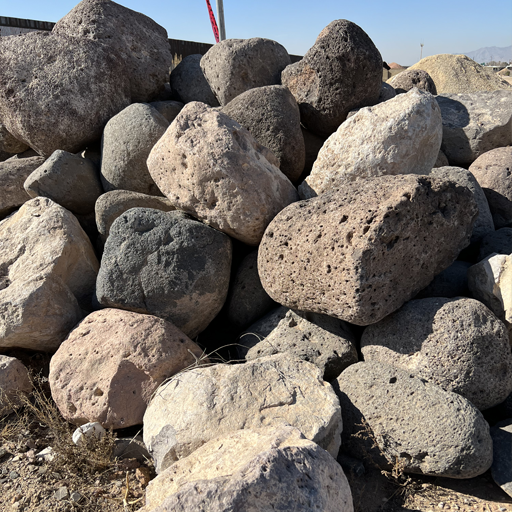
(491, 53)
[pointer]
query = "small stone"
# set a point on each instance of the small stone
(76, 497)
(441, 505)
(143, 475)
(13, 475)
(61, 493)
(87, 431)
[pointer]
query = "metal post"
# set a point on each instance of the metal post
(220, 14)
(421, 51)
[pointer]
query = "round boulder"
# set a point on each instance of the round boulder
(408, 79)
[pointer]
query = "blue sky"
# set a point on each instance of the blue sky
(397, 27)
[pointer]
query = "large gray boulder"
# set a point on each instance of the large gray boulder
(234, 66)
(475, 123)
(211, 167)
(340, 72)
(204, 403)
(165, 264)
(400, 136)
(397, 418)
(410, 78)
(346, 253)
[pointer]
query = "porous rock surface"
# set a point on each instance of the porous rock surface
(211, 167)
(204, 403)
(111, 363)
(14, 382)
(340, 72)
(257, 470)
(400, 136)
(406, 80)
(165, 264)
(357, 239)
(429, 430)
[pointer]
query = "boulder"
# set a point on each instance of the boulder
(205, 403)
(340, 72)
(47, 271)
(77, 83)
(501, 469)
(209, 166)
(67, 179)
(9, 144)
(165, 264)
(397, 418)
(441, 161)
(331, 350)
(359, 239)
(141, 45)
(14, 382)
(253, 470)
(111, 363)
(13, 174)
(169, 109)
(458, 344)
(474, 124)
(492, 170)
(127, 141)
(188, 82)
(387, 92)
(451, 282)
(410, 78)
(400, 136)
(272, 116)
(499, 242)
(234, 66)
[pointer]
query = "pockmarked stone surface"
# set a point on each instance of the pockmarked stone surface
(458, 344)
(111, 363)
(429, 430)
(204, 403)
(47, 272)
(211, 167)
(501, 469)
(340, 72)
(257, 470)
(14, 382)
(75, 82)
(400, 136)
(408, 79)
(234, 66)
(359, 239)
(165, 264)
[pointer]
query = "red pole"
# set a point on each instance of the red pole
(213, 22)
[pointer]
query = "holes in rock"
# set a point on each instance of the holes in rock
(392, 380)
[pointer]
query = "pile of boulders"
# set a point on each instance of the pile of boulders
(323, 222)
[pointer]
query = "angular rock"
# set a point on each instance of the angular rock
(458, 344)
(9, 144)
(355, 238)
(206, 403)
(234, 66)
(209, 166)
(111, 363)
(140, 44)
(127, 141)
(169, 109)
(451, 282)
(410, 78)
(492, 170)
(340, 72)
(253, 469)
(415, 423)
(76, 83)
(67, 179)
(188, 82)
(499, 242)
(165, 264)
(474, 124)
(331, 351)
(501, 469)
(272, 116)
(47, 271)
(14, 382)
(400, 136)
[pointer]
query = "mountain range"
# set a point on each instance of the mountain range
(491, 53)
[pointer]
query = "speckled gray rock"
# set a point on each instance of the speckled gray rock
(254, 470)
(14, 382)
(188, 82)
(234, 66)
(272, 116)
(340, 72)
(475, 123)
(332, 352)
(451, 282)
(9, 144)
(499, 242)
(429, 430)
(409, 78)
(13, 173)
(458, 344)
(127, 141)
(67, 179)
(165, 264)
(483, 223)
(77, 83)
(169, 109)
(357, 239)
(493, 172)
(400, 136)
(501, 469)
(140, 44)
(211, 167)
(204, 403)
(387, 92)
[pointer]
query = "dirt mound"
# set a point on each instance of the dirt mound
(394, 65)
